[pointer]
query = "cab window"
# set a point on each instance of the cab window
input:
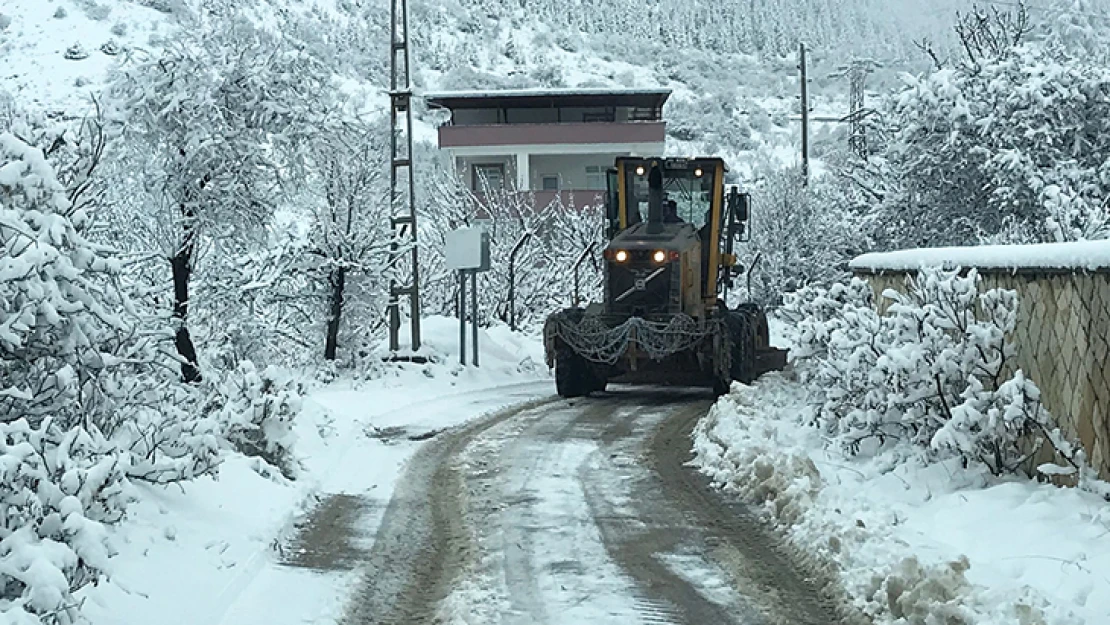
(690, 189)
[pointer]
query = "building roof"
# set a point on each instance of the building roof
(548, 98)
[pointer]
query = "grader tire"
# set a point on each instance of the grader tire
(762, 330)
(721, 386)
(744, 329)
(723, 355)
(573, 375)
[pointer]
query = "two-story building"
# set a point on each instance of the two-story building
(551, 142)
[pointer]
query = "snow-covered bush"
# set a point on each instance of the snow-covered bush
(76, 52)
(88, 397)
(163, 427)
(256, 410)
(57, 302)
(97, 12)
(58, 487)
(980, 147)
(814, 312)
(73, 347)
(935, 369)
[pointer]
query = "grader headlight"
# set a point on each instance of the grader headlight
(659, 256)
(621, 256)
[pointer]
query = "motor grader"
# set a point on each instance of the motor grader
(671, 227)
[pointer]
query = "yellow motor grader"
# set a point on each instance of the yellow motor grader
(671, 226)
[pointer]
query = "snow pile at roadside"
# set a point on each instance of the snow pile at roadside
(208, 551)
(500, 350)
(914, 543)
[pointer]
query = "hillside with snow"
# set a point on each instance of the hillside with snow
(732, 68)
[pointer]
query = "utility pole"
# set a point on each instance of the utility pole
(404, 270)
(805, 113)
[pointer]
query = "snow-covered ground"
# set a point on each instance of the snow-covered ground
(208, 552)
(914, 543)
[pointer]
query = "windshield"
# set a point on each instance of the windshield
(687, 196)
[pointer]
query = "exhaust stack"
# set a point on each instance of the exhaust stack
(655, 200)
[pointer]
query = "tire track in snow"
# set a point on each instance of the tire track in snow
(767, 571)
(421, 544)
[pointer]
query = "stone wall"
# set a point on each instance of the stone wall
(1063, 344)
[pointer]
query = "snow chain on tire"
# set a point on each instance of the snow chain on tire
(592, 339)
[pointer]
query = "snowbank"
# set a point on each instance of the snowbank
(500, 350)
(914, 543)
(1086, 255)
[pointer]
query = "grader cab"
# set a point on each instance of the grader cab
(662, 320)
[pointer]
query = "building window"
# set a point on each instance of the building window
(608, 115)
(550, 183)
(595, 178)
(492, 174)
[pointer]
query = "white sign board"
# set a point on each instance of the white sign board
(468, 248)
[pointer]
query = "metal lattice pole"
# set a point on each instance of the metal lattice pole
(857, 136)
(857, 72)
(404, 269)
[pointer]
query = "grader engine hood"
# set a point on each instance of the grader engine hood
(645, 270)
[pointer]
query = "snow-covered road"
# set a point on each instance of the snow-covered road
(321, 553)
(566, 512)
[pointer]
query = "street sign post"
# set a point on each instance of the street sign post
(467, 251)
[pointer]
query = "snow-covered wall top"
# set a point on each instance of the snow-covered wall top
(1080, 255)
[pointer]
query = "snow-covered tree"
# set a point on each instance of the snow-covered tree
(558, 233)
(88, 399)
(345, 165)
(1016, 144)
(58, 304)
(261, 305)
(769, 28)
(1081, 27)
(204, 119)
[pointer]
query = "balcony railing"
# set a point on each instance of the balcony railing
(549, 134)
